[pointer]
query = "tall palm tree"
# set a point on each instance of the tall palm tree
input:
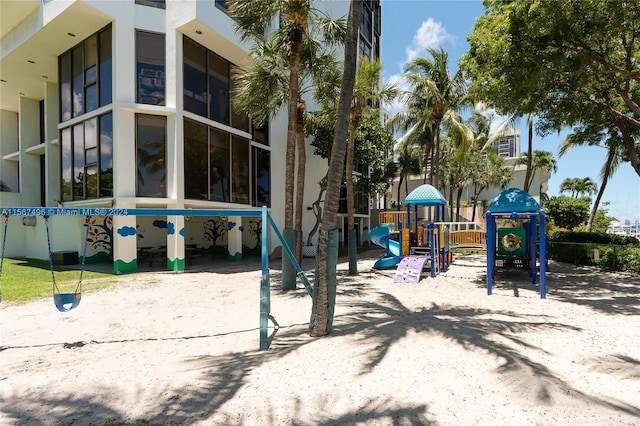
(593, 137)
(251, 20)
(540, 160)
(367, 94)
(586, 186)
(325, 283)
(569, 185)
(434, 94)
(408, 164)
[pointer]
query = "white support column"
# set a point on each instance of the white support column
(125, 243)
(175, 243)
(234, 238)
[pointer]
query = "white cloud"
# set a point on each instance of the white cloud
(430, 34)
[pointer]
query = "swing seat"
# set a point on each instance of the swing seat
(66, 301)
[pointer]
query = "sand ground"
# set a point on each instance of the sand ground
(182, 349)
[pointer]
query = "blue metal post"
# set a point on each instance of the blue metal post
(491, 249)
(265, 286)
(400, 237)
(543, 257)
(432, 249)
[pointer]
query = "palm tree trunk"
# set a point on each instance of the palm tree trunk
(605, 177)
(302, 162)
(629, 145)
(476, 196)
(325, 282)
(288, 271)
(458, 198)
(436, 165)
(399, 188)
(351, 238)
(527, 177)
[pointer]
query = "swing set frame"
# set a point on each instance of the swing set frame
(265, 283)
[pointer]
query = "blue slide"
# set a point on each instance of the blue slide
(380, 236)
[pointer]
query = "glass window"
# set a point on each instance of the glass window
(195, 78)
(67, 163)
(208, 86)
(240, 170)
(261, 178)
(260, 134)
(78, 161)
(219, 163)
(91, 141)
(150, 68)
(105, 67)
(85, 76)
(91, 173)
(218, 88)
(106, 156)
(239, 121)
(196, 161)
(91, 73)
(65, 87)
(78, 81)
(160, 4)
(91, 59)
(151, 139)
(222, 5)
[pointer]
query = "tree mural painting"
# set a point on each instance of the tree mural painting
(100, 238)
(255, 230)
(215, 229)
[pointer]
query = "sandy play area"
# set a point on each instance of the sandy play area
(182, 349)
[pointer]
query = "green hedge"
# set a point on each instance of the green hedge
(593, 237)
(609, 252)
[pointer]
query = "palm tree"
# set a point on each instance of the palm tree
(367, 94)
(251, 19)
(569, 185)
(592, 137)
(325, 283)
(540, 160)
(586, 186)
(408, 164)
(435, 94)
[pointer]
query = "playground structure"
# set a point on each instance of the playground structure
(515, 246)
(68, 301)
(430, 241)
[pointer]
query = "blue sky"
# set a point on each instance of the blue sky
(409, 26)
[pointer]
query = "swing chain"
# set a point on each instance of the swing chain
(87, 224)
(56, 289)
(53, 275)
(4, 245)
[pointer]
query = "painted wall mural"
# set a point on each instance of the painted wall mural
(100, 240)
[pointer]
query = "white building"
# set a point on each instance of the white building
(126, 104)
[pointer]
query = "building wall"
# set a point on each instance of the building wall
(44, 34)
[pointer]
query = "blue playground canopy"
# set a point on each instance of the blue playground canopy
(514, 200)
(425, 195)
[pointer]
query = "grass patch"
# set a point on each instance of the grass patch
(24, 280)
